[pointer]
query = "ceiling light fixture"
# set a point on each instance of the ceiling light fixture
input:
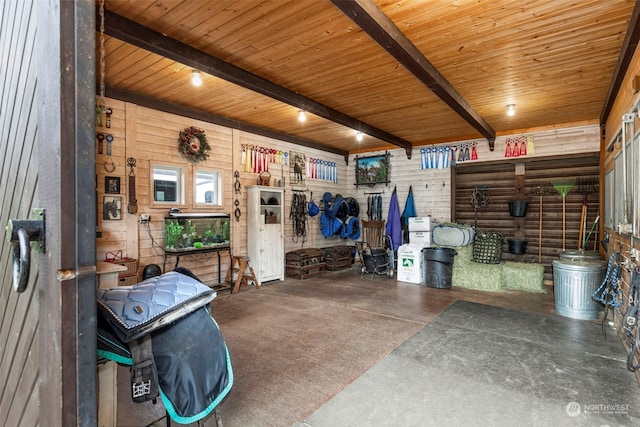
(196, 78)
(359, 136)
(511, 110)
(302, 116)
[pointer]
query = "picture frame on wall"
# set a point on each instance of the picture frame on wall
(297, 168)
(111, 208)
(112, 185)
(372, 170)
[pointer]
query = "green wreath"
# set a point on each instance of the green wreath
(193, 144)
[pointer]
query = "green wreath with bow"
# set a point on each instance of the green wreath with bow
(193, 144)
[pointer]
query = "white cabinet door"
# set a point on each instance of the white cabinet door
(265, 232)
(272, 262)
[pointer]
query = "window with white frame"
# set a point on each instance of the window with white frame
(207, 187)
(168, 184)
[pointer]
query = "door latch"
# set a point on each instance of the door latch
(21, 232)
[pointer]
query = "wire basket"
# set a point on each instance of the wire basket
(487, 248)
(130, 263)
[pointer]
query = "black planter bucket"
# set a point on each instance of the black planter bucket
(517, 246)
(518, 207)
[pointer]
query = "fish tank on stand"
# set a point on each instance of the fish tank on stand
(196, 233)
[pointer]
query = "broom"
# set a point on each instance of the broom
(595, 222)
(563, 187)
(540, 192)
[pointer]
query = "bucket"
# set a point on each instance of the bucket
(438, 263)
(579, 254)
(518, 207)
(517, 246)
(377, 259)
(574, 283)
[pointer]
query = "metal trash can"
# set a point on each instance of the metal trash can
(438, 263)
(574, 282)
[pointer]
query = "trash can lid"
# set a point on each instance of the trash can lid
(580, 253)
(580, 264)
(439, 254)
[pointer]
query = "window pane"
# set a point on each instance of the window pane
(207, 185)
(609, 200)
(166, 184)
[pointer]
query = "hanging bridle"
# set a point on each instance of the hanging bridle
(133, 202)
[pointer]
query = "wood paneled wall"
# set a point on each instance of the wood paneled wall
(431, 188)
(626, 102)
(19, 312)
(151, 136)
(314, 239)
(535, 183)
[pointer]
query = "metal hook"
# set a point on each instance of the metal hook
(20, 233)
(21, 261)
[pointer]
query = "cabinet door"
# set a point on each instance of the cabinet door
(271, 262)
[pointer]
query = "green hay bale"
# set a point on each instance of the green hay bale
(474, 275)
(507, 275)
(523, 276)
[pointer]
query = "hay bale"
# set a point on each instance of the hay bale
(473, 275)
(523, 276)
(508, 275)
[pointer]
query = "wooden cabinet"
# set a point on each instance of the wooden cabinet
(265, 232)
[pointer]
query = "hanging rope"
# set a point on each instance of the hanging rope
(298, 214)
(102, 108)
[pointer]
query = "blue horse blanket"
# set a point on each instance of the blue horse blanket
(194, 372)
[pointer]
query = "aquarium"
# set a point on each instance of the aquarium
(190, 231)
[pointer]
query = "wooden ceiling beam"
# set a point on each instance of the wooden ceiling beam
(145, 38)
(181, 110)
(626, 54)
(381, 29)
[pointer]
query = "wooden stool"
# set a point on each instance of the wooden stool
(240, 264)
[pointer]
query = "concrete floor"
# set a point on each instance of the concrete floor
(294, 344)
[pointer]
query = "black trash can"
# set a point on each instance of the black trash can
(438, 265)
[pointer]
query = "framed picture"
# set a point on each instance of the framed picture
(112, 184)
(372, 170)
(297, 168)
(111, 207)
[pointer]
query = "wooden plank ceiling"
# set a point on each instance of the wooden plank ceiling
(405, 73)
